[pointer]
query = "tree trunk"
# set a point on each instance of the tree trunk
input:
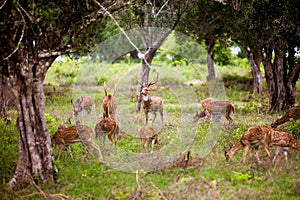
(254, 60)
(210, 43)
(281, 85)
(35, 152)
(270, 76)
(144, 75)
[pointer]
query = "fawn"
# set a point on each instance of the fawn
(283, 141)
(253, 138)
(110, 127)
(148, 134)
(263, 136)
(293, 113)
(211, 105)
(65, 136)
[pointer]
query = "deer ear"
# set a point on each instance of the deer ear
(230, 145)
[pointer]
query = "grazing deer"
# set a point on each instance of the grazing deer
(109, 104)
(82, 103)
(152, 104)
(148, 134)
(65, 136)
(211, 105)
(109, 127)
(293, 113)
(253, 138)
(283, 141)
(266, 137)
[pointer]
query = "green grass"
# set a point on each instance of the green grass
(83, 177)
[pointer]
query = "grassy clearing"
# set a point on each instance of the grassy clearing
(85, 178)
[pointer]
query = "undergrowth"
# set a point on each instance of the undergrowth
(83, 177)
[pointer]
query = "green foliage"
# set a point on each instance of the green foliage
(222, 55)
(63, 72)
(239, 177)
(101, 79)
(83, 177)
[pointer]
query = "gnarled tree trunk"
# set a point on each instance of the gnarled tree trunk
(254, 61)
(281, 79)
(35, 152)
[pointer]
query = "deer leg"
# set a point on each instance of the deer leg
(255, 151)
(245, 153)
(68, 147)
(146, 113)
(152, 145)
(162, 115)
(145, 145)
(278, 149)
(267, 149)
(154, 116)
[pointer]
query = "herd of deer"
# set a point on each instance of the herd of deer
(253, 138)
(108, 125)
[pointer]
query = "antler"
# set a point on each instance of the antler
(105, 89)
(152, 83)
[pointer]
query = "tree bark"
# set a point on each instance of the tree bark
(281, 85)
(254, 60)
(144, 75)
(210, 43)
(35, 152)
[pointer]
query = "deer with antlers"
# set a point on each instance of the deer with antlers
(82, 103)
(109, 104)
(292, 113)
(152, 104)
(263, 136)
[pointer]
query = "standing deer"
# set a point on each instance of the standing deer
(148, 134)
(152, 104)
(109, 104)
(109, 127)
(82, 103)
(211, 105)
(65, 136)
(292, 113)
(263, 136)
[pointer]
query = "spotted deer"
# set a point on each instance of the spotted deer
(109, 104)
(148, 134)
(64, 136)
(263, 136)
(292, 113)
(251, 139)
(211, 105)
(82, 103)
(283, 141)
(109, 127)
(152, 104)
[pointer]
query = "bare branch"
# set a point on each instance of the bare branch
(3, 4)
(20, 39)
(161, 9)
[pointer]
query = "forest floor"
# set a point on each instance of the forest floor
(129, 174)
